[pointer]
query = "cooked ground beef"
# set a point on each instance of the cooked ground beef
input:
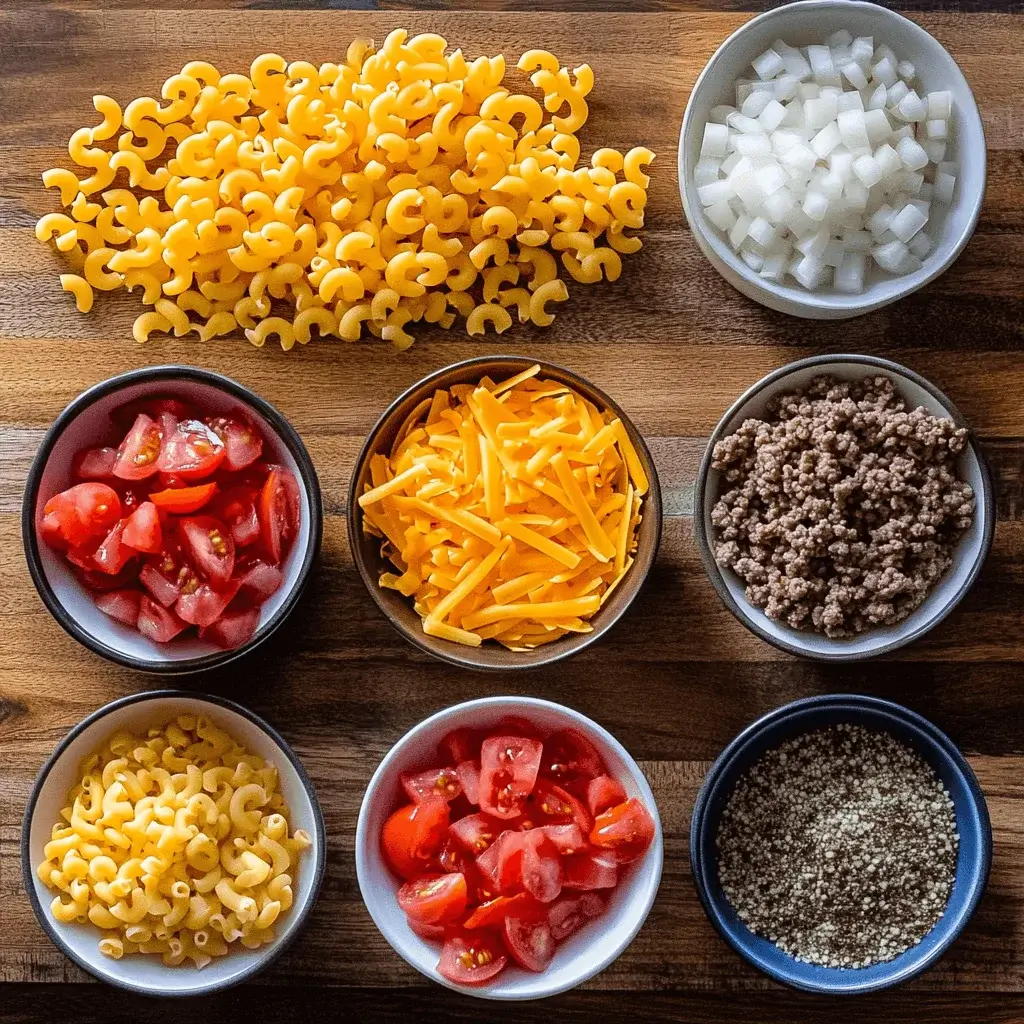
(843, 508)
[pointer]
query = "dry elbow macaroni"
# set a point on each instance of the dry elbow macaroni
(404, 184)
(175, 844)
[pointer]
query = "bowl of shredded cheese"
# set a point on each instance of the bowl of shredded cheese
(504, 513)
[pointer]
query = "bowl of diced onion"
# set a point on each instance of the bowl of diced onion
(831, 159)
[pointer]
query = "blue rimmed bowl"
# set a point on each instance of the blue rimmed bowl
(973, 859)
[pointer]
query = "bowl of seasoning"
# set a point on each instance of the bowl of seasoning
(171, 519)
(504, 513)
(840, 844)
(844, 507)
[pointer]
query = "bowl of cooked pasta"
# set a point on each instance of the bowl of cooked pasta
(504, 513)
(171, 519)
(173, 844)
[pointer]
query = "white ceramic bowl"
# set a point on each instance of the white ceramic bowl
(146, 974)
(968, 558)
(81, 425)
(811, 21)
(579, 957)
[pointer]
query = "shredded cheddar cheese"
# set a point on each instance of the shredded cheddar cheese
(509, 510)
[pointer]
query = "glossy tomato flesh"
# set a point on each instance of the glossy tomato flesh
(243, 444)
(570, 913)
(193, 451)
(569, 754)
(232, 629)
(625, 830)
(434, 900)
(472, 958)
(122, 604)
(604, 792)
(142, 530)
(94, 464)
(436, 782)
(182, 500)
(530, 942)
(209, 546)
(508, 771)
(157, 622)
(413, 836)
(137, 457)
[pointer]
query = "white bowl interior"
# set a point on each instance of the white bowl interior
(86, 430)
(579, 957)
(811, 22)
(966, 555)
(140, 971)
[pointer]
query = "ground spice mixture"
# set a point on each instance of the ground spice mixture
(842, 508)
(839, 846)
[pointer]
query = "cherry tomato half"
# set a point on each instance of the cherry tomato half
(413, 835)
(472, 958)
(94, 464)
(242, 442)
(182, 500)
(569, 754)
(437, 782)
(508, 771)
(530, 942)
(232, 629)
(494, 912)
(210, 547)
(142, 530)
(193, 451)
(625, 830)
(157, 622)
(122, 604)
(434, 900)
(604, 792)
(137, 457)
(570, 913)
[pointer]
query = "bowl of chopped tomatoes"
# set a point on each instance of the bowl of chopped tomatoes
(171, 519)
(509, 848)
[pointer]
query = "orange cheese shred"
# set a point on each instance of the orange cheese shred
(509, 510)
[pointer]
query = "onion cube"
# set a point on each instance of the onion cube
(888, 160)
(896, 93)
(867, 170)
(885, 71)
(850, 273)
(755, 103)
(879, 98)
(768, 65)
(854, 74)
(942, 190)
(772, 115)
(878, 223)
(752, 259)
(911, 182)
(936, 130)
(778, 204)
(793, 60)
(862, 49)
(721, 215)
(936, 151)
(840, 38)
(715, 138)
(808, 91)
(920, 245)
(878, 126)
(754, 146)
(719, 114)
(706, 171)
(832, 255)
(912, 107)
(856, 196)
(855, 240)
(849, 101)
(783, 141)
(840, 161)
(815, 205)
(730, 162)
(908, 222)
(852, 128)
(822, 65)
(820, 111)
(716, 192)
(747, 125)
(831, 185)
(940, 105)
(905, 69)
(912, 156)
(827, 139)
(785, 86)
(801, 158)
(774, 267)
(739, 231)
(890, 256)
(743, 89)
(761, 232)
(770, 178)
(810, 272)
(946, 167)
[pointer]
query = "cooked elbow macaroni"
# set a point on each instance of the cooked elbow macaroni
(295, 197)
(175, 844)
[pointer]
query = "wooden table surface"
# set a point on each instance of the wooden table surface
(674, 344)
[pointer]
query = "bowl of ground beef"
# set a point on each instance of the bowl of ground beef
(843, 507)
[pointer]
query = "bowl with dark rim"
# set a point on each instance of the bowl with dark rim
(146, 974)
(86, 422)
(366, 548)
(974, 855)
(969, 555)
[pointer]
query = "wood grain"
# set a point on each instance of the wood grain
(675, 345)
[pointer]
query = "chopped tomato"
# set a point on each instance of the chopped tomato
(568, 754)
(472, 958)
(192, 452)
(508, 771)
(201, 604)
(122, 604)
(413, 835)
(84, 511)
(157, 622)
(94, 464)
(210, 546)
(131, 495)
(437, 782)
(434, 900)
(242, 442)
(551, 805)
(570, 913)
(460, 745)
(626, 830)
(452, 857)
(566, 839)
(113, 554)
(165, 588)
(232, 629)
(274, 514)
(81, 554)
(530, 942)
(137, 457)
(493, 912)
(101, 582)
(257, 577)
(430, 932)
(604, 792)
(592, 870)
(142, 529)
(182, 500)
(501, 862)
(468, 773)
(124, 416)
(476, 832)
(540, 866)
(50, 531)
(236, 508)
